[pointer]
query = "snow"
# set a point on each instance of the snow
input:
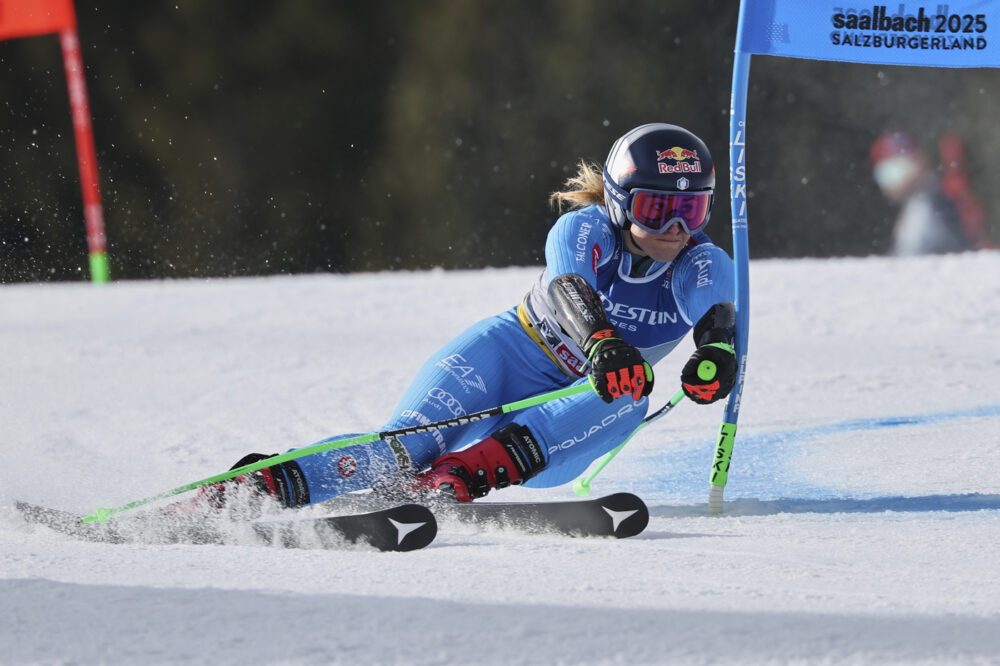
(863, 506)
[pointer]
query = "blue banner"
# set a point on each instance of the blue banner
(962, 33)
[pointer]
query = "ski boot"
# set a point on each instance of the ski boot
(510, 456)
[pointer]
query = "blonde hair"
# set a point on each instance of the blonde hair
(584, 189)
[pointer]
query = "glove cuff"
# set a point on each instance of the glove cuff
(724, 346)
(717, 325)
(597, 340)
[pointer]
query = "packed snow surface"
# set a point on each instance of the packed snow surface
(862, 516)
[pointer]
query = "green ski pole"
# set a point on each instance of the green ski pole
(582, 485)
(101, 515)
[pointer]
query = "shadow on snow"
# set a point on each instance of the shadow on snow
(756, 507)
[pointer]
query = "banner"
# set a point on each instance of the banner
(27, 18)
(962, 33)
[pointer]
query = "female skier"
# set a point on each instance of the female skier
(629, 271)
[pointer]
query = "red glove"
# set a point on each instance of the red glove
(617, 368)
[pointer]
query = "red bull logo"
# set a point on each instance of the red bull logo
(680, 157)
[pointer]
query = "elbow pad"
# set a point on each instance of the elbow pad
(717, 325)
(579, 310)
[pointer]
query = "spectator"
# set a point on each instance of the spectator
(928, 221)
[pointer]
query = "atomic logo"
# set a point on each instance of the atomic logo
(403, 529)
(618, 516)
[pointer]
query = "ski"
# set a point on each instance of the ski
(404, 527)
(68, 523)
(619, 515)
(400, 528)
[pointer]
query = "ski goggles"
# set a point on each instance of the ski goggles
(656, 210)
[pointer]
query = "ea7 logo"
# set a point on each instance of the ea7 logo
(458, 367)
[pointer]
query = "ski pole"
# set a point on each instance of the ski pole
(582, 485)
(102, 514)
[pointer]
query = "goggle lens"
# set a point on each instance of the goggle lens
(656, 211)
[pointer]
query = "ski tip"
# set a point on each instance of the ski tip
(66, 523)
(400, 528)
(413, 527)
(628, 513)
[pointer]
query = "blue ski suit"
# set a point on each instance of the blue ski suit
(523, 352)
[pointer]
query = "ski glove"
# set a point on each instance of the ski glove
(617, 368)
(710, 373)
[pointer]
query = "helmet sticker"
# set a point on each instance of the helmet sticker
(679, 156)
(627, 168)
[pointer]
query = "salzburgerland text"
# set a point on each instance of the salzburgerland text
(876, 28)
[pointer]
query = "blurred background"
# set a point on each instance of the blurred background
(263, 137)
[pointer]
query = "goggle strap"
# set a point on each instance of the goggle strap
(616, 190)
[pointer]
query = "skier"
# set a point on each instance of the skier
(629, 271)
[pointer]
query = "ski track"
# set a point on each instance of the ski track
(862, 512)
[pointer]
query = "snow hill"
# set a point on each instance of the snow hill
(863, 502)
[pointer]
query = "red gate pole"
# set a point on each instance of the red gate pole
(93, 211)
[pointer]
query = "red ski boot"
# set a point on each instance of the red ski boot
(510, 456)
(284, 484)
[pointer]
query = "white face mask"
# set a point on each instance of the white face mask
(896, 172)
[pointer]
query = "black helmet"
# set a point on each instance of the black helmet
(651, 162)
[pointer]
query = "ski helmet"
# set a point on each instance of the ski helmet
(658, 174)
